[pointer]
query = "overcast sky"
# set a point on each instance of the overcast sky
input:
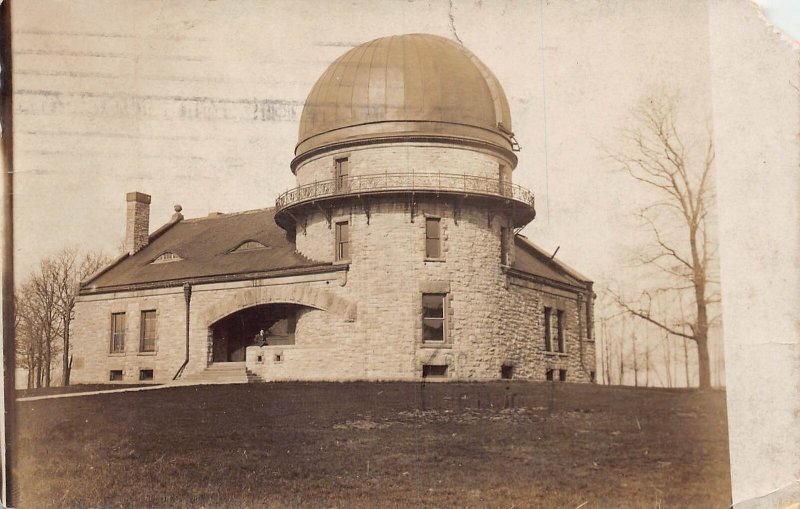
(198, 103)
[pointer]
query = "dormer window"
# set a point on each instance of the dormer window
(249, 245)
(166, 258)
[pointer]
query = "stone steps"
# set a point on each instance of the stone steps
(254, 378)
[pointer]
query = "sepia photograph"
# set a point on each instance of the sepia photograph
(428, 253)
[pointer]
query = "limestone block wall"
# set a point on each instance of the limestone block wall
(405, 158)
(92, 334)
(523, 327)
(389, 272)
(325, 349)
(91, 340)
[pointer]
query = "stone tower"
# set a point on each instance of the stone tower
(404, 167)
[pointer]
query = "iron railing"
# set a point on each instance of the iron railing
(392, 182)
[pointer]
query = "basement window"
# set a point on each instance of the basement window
(592, 377)
(549, 374)
(278, 357)
(434, 370)
(145, 374)
(562, 375)
(506, 372)
(115, 375)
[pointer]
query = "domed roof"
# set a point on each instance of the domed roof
(392, 88)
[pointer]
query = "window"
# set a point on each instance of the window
(433, 243)
(504, 184)
(117, 333)
(549, 374)
(341, 172)
(167, 257)
(548, 334)
(115, 375)
(506, 372)
(434, 370)
(560, 318)
(147, 340)
(555, 345)
(342, 240)
(249, 245)
(503, 245)
(592, 377)
(562, 375)
(145, 374)
(433, 313)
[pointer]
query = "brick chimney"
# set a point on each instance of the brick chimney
(137, 224)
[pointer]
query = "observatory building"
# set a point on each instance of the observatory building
(396, 257)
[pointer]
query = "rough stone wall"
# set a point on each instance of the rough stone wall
(137, 223)
(388, 274)
(423, 158)
(91, 340)
(365, 322)
(523, 326)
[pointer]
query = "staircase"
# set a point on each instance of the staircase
(218, 373)
(254, 378)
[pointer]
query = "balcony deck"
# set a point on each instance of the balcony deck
(501, 194)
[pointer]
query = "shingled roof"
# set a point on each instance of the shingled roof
(207, 249)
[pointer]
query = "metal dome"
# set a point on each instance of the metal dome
(408, 86)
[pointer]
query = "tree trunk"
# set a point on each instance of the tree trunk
(65, 357)
(686, 361)
(701, 337)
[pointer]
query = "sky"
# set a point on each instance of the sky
(198, 103)
(784, 14)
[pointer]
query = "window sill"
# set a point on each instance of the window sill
(557, 354)
(341, 262)
(433, 344)
(117, 354)
(435, 260)
(146, 354)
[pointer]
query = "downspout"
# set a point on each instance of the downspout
(581, 332)
(187, 295)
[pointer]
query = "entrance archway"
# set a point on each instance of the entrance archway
(232, 334)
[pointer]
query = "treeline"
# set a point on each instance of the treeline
(45, 308)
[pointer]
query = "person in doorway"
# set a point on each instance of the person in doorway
(261, 338)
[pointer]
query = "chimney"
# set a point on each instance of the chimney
(137, 224)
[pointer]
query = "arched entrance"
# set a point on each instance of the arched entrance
(231, 335)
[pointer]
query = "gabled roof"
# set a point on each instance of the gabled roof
(204, 246)
(532, 259)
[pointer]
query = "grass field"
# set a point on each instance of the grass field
(376, 445)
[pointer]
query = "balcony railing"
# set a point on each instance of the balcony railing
(447, 183)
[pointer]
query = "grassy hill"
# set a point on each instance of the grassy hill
(376, 445)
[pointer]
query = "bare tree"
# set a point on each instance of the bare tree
(68, 271)
(45, 310)
(656, 154)
(39, 324)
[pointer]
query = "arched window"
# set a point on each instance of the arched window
(167, 257)
(248, 245)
